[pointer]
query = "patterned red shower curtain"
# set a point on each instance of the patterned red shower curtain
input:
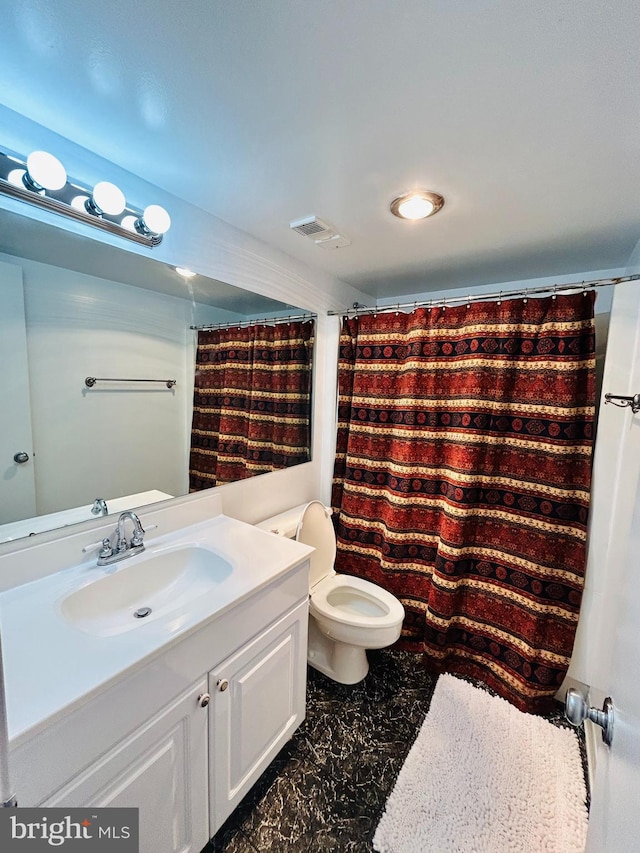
(462, 481)
(252, 402)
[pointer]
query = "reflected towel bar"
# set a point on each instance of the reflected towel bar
(90, 381)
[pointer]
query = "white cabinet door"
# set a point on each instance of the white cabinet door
(257, 702)
(161, 769)
(17, 483)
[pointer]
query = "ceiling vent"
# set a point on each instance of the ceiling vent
(322, 233)
(313, 227)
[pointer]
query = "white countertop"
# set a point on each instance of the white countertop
(52, 667)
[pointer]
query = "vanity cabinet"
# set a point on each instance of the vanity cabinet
(161, 769)
(257, 701)
(151, 740)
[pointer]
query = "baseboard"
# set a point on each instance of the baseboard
(591, 734)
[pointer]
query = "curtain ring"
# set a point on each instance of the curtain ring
(555, 292)
(444, 304)
(469, 301)
(430, 305)
(500, 298)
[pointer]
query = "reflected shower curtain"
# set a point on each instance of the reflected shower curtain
(462, 481)
(252, 401)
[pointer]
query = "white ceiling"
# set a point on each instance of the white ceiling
(524, 115)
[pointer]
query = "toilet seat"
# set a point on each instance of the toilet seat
(315, 528)
(341, 598)
(347, 615)
(354, 601)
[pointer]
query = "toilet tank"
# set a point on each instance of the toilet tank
(317, 531)
(285, 523)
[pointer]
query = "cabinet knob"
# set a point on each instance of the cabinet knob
(203, 700)
(223, 684)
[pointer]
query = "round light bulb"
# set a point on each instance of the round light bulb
(79, 202)
(129, 222)
(184, 272)
(15, 177)
(108, 198)
(156, 219)
(46, 171)
(415, 208)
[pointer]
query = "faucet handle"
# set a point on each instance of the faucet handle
(106, 550)
(99, 507)
(104, 545)
(138, 536)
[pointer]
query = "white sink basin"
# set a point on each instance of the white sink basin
(159, 583)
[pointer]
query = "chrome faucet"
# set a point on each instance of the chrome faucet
(99, 507)
(121, 548)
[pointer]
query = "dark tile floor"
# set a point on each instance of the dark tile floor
(326, 790)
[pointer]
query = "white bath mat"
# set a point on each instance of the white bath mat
(482, 777)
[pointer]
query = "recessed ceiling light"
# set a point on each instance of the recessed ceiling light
(184, 272)
(416, 205)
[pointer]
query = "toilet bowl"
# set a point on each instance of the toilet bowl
(347, 615)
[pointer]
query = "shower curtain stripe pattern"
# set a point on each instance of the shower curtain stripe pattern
(251, 408)
(462, 480)
(441, 471)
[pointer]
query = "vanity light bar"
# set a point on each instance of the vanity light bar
(43, 181)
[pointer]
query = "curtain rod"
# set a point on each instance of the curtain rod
(239, 323)
(443, 301)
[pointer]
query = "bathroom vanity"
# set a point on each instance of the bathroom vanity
(177, 715)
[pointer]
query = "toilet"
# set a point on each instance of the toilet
(347, 615)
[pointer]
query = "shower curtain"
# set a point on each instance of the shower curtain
(462, 481)
(252, 401)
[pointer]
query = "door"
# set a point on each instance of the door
(161, 769)
(615, 822)
(258, 700)
(608, 640)
(17, 482)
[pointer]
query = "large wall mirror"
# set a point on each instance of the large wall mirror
(72, 308)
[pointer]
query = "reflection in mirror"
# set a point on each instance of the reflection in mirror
(252, 401)
(72, 308)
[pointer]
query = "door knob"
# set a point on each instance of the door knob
(576, 710)
(203, 700)
(223, 684)
(21, 458)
